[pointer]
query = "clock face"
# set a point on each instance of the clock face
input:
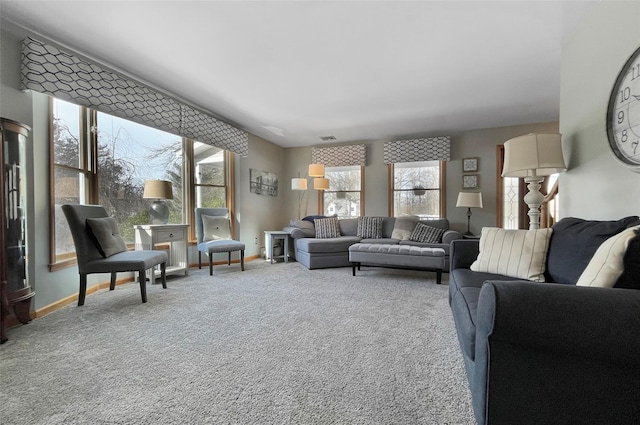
(623, 114)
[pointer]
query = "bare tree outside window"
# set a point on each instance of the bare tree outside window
(344, 195)
(416, 189)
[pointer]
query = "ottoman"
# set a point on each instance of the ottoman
(397, 256)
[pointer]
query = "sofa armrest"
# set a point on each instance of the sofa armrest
(451, 235)
(557, 353)
(463, 253)
(297, 233)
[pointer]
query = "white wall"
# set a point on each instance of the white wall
(596, 186)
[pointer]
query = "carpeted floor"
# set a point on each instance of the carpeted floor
(275, 344)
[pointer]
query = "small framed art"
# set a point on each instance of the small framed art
(470, 181)
(469, 165)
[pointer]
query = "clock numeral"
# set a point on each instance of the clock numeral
(624, 136)
(620, 117)
(635, 146)
(625, 94)
(635, 72)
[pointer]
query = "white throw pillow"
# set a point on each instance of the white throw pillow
(215, 228)
(515, 253)
(607, 264)
(403, 226)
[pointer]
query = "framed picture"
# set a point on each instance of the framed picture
(470, 181)
(263, 182)
(469, 165)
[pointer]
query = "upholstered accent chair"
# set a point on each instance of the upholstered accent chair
(100, 249)
(213, 231)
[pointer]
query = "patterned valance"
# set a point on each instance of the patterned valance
(340, 156)
(412, 150)
(49, 70)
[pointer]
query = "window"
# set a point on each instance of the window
(102, 159)
(416, 189)
(344, 196)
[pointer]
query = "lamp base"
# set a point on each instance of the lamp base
(158, 213)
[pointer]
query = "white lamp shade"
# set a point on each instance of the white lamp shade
(469, 200)
(316, 170)
(533, 155)
(321, 184)
(298, 183)
(157, 189)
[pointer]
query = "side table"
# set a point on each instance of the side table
(147, 236)
(273, 235)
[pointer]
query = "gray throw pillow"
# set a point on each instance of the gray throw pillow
(403, 227)
(426, 234)
(215, 228)
(105, 234)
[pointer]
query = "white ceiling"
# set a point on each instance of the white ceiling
(356, 70)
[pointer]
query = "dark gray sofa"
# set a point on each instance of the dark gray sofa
(316, 253)
(551, 353)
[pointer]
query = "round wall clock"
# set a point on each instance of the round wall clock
(623, 114)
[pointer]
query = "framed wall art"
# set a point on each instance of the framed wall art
(470, 181)
(263, 182)
(469, 165)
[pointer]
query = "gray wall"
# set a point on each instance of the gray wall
(596, 186)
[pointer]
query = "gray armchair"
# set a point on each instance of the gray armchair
(214, 235)
(94, 257)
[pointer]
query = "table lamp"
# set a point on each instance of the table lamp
(469, 200)
(158, 190)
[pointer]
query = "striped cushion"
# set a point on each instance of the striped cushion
(515, 253)
(369, 227)
(327, 228)
(426, 234)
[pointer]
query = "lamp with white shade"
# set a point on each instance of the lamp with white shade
(469, 200)
(533, 157)
(158, 191)
(316, 171)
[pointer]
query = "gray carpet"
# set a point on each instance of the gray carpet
(275, 344)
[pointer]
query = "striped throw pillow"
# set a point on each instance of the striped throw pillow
(369, 227)
(327, 228)
(515, 253)
(426, 234)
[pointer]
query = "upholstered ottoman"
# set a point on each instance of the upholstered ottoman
(397, 256)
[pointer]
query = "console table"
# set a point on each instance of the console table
(147, 236)
(272, 235)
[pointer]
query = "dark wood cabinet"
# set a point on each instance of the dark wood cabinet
(15, 292)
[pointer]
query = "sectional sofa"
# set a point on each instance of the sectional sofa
(552, 352)
(317, 253)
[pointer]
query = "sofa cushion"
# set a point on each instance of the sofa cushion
(106, 235)
(327, 227)
(348, 226)
(369, 227)
(426, 234)
(516, 253)
(329, 245)
(403, 226)
(573, 243)
(607, 263)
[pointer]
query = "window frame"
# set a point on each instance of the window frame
(321, 193)
(442, 188)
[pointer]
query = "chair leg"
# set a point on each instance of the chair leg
(229, 260)
(112, 284)
(83, 289)
(199, 259)
(163, 274)
(143, 284)
(210, 263)
(242, 259)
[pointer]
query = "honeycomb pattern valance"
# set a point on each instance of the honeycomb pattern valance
(49, 70)
(412, 150)
(340, 156)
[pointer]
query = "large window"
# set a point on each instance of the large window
(417, 189)
(101, 159)
(344, 197)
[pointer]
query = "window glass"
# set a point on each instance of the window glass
(510, 202)
(344, 194)
(209, 176)
(416, 189)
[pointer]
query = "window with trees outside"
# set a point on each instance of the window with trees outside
(416, 189)
(101, 159)
(344, 197)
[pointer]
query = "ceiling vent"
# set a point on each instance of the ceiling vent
(327, 138)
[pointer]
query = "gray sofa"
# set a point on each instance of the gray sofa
(315, 253)
(541, 353)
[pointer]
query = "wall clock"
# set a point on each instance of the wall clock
(623, 114)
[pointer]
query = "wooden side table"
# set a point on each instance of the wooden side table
(273, 235)
(147, 236)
